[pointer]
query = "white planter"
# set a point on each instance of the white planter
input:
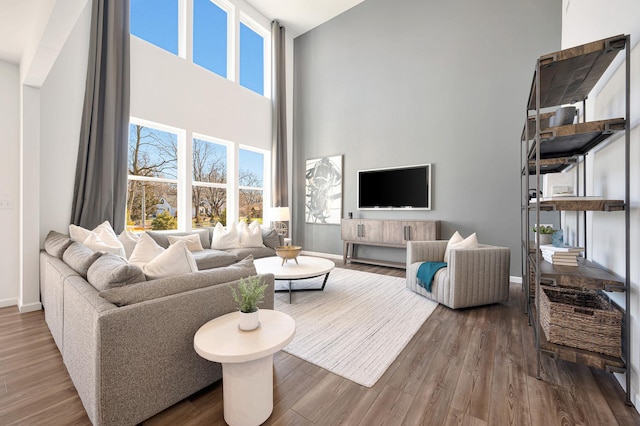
(544, 238)
(249, 321)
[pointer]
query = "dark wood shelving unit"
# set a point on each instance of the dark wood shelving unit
(561, 78)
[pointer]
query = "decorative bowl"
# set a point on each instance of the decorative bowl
(288, 252)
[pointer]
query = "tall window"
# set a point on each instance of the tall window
(156, 21)
(210, 36)
(209, 188)
(251, 184)
(153, 172)
(251, 59)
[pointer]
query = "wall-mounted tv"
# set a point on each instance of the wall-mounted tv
(407, 187)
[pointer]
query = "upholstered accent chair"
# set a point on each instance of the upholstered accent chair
(473, 277)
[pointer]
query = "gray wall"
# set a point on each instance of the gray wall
(392, 83)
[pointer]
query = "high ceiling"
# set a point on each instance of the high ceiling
(18, 18)
(299, 16)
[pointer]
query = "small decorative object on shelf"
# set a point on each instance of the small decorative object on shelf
(557, 238)
(543, 233)
(288, 252)
(249, 293)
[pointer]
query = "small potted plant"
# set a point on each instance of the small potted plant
(248, 294)
(544, 233)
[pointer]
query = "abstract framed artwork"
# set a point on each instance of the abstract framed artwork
(323, 196)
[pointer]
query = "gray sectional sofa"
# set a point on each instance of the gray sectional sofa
(127, 343)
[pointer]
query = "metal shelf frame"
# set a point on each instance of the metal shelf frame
(556, 82)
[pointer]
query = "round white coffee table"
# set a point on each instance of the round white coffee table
(307, 267)
(247, 362)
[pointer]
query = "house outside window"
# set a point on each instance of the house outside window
(153, 178)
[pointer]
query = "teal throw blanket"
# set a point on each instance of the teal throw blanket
(426, 271)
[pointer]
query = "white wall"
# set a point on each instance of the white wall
(9, 176)
(585, 21)
(61, 100)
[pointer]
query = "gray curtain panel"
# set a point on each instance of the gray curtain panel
(101, 170)
(279, 141)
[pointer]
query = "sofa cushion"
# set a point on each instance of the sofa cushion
(56, 243)
(80, 258)
(270, 238)
(149, 290)
(208, 259)
(110, 271)
(176, 260)
(162, 238)
(257, 252)
(145, 251)
(225, 238)
(192, 241)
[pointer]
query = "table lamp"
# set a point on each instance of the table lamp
(278, 216)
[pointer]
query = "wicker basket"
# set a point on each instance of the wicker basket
(581, 319)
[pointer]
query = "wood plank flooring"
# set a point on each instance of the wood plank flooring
(467, 367)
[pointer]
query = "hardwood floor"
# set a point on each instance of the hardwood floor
(466, 367)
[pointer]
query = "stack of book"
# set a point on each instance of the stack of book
(563, 256)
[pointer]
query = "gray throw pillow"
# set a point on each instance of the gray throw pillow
(270, 238)
(80, 257)
(162, 287)
(56, 243)
(162, 238)
(110, 271)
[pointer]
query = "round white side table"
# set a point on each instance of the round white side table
(247, 362)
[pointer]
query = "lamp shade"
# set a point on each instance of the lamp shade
(278, 214)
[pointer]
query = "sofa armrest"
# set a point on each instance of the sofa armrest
(425, 251)
(479, 276)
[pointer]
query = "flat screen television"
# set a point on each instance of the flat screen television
(407, 187)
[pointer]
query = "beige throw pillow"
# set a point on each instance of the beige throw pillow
(192, 241)
(101, 238)
(455, 239)
(129, 240)
(176, 260)
(468, 243)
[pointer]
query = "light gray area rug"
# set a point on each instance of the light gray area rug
(357, 326)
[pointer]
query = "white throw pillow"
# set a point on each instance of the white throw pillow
(225, 238)
(192, 241)
(176, 260)
(468, 243)
(78, 233)
(95, 243)
(250, 236)
(102, 235)
(129, 240)
(145, 251)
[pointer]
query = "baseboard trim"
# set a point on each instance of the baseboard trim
(30, 307)
(328, 255)
(8, 302)
(517, 280)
